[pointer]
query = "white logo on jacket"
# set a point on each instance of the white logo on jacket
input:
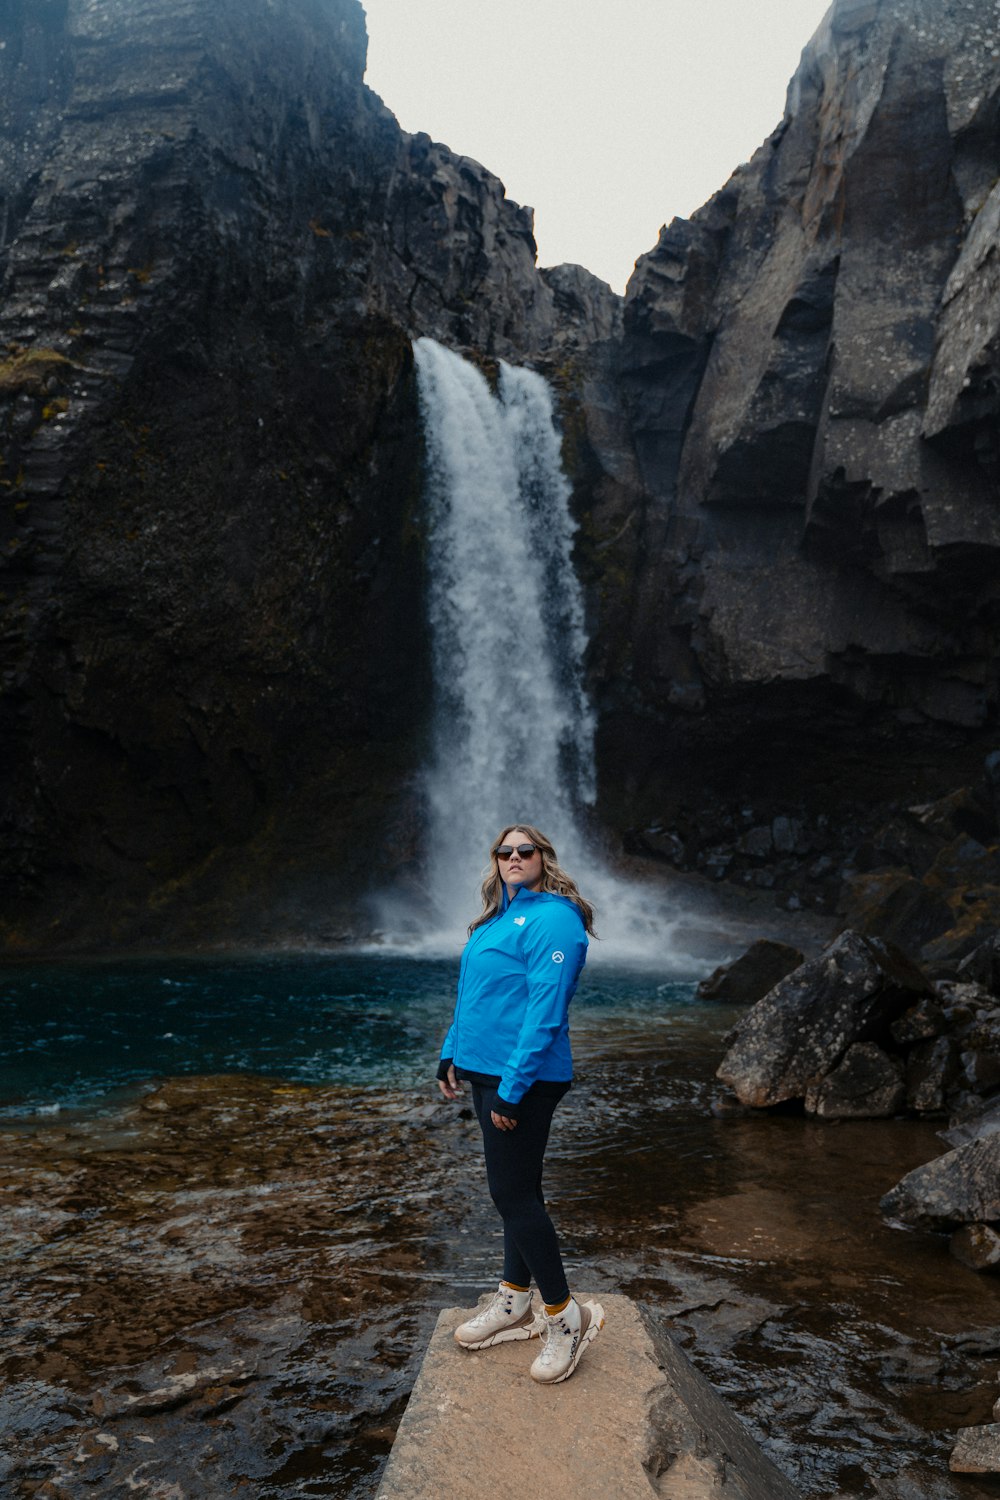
(558, 957)
(518, 921)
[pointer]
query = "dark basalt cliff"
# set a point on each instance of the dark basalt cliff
(215, 246)
(809, 372)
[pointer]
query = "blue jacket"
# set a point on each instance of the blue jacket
(518, 975)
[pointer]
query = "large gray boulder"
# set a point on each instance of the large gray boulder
(798, 1033)
(961, 1187)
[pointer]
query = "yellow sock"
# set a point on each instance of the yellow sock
(557, 1308)
(515, 1288)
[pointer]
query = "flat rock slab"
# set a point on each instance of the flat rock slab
(635, 1420)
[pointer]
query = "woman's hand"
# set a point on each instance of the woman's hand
(502, 1122)
(450, 1086)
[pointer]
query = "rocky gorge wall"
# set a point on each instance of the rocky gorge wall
(215, 246)
(808, 375)
(215, 243)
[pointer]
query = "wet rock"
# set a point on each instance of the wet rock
(963, 1001)
(977, 1450)
(798, 1033)
(866, 1084)
(975, 918)
(757, 842)
(213, 1386)
(921, 1023)
(981, 1069)
(982, 1123)
(961, 1187)
(931, 1069)
(241, 1300)
(965, 813)
(982, 965)
(976, 1246)
(900, 843)
(894, 905)
(750, 977)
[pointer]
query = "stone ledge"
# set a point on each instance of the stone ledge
(636, 1420)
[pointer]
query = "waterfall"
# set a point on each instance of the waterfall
(513, 730)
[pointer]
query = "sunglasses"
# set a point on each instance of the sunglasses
(504, 851)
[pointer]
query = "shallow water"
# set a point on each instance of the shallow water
(223, 1256)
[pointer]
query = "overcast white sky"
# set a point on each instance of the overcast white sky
(609, 117)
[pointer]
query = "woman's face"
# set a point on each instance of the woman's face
(519, 869)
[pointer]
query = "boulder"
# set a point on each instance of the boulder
(867, 1084)
(964, 812)
(976, 1246)
(921, 1023)
(901, 843)
(977, 1450)
(961, 1187)
(894, 905)
(799, 1032)
(982, 965)
(963, 1002)
(750, 977)
(986, 1122)
(931, 1069)
(975, 919)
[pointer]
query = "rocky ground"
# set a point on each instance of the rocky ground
(860, 1032)
(922, 874)
(222, 1286)
(225, 1284)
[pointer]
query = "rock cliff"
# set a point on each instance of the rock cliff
(809, 376)
(215, 246)
(215, 243)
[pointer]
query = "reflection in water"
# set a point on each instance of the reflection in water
(234, 1277)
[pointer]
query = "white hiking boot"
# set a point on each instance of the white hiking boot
(508, 1315)
(566, 1336)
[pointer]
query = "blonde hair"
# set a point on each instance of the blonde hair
(554, 879)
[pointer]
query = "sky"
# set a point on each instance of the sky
(608, 117)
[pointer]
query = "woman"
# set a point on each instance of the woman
(510, 1040)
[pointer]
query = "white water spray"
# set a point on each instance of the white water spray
(513, 733)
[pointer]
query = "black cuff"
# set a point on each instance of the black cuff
(443, 1067)
(504, 1107)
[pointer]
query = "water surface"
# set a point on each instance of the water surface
(238, 1174)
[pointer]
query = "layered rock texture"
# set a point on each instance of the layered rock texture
(809, 368)
(215, 247)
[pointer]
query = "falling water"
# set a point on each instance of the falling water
(513, 730)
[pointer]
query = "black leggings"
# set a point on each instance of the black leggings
(514, 1173)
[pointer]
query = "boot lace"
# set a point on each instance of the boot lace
(499, 1305)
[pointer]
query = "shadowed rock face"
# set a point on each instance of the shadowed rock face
(810, 371)
(215, 246)
(215, 243)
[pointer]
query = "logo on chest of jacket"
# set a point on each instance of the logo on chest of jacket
(518, 921)
(558, 956)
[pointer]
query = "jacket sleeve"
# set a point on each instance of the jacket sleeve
(555, 951)
(448, 1047)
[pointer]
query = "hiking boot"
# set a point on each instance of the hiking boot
(508, 1315)
(566, 1336)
